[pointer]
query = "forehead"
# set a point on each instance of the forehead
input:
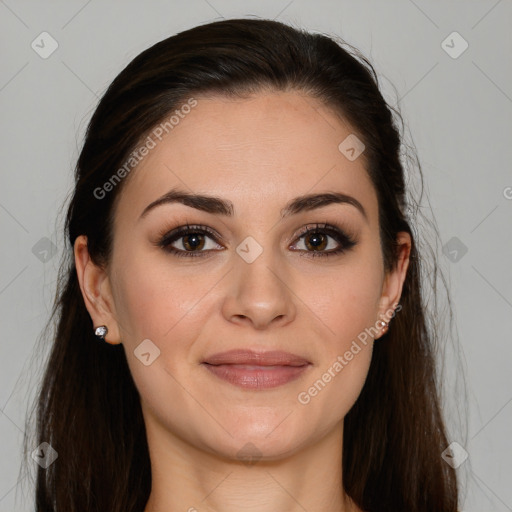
(256, 151)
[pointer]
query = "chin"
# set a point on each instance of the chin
(259, 440)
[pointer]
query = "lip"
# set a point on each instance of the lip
(257, 358)
(256, 370)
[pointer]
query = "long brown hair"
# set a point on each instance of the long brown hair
(88, 408)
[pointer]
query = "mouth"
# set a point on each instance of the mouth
(256, 370)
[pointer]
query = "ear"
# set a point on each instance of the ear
(96, 291)
(394, 280)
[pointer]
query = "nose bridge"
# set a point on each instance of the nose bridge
(259, 293)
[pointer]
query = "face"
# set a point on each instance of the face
(247, 275)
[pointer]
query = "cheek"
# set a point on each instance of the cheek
(168, 307)
(157, 300)
(349, 311)
(347, 301)
(347, 304)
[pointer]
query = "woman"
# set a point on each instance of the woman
(240, 323)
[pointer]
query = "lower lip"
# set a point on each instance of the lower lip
(256, 377)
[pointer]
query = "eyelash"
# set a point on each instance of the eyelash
(339, 235)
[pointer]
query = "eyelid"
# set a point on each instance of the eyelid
(184, 229)
(317, 226)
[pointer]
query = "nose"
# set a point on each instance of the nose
(259, 294)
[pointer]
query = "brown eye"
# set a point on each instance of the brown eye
(316, 240)
(194, 241)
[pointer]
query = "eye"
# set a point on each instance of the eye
(316, 240)
(191, 241)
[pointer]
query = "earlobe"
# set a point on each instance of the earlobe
(96, 291)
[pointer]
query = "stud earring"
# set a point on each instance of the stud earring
(101, 332)
(384, 326)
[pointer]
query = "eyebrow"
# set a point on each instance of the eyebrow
(217, 206)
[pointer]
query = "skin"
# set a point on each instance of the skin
(258, 152)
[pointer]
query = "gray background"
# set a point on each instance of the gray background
(457, 109)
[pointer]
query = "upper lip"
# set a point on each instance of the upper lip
(257, 358)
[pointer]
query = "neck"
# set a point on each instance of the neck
(186, 478)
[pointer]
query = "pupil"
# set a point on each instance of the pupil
(197, 242)
(316, 240)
